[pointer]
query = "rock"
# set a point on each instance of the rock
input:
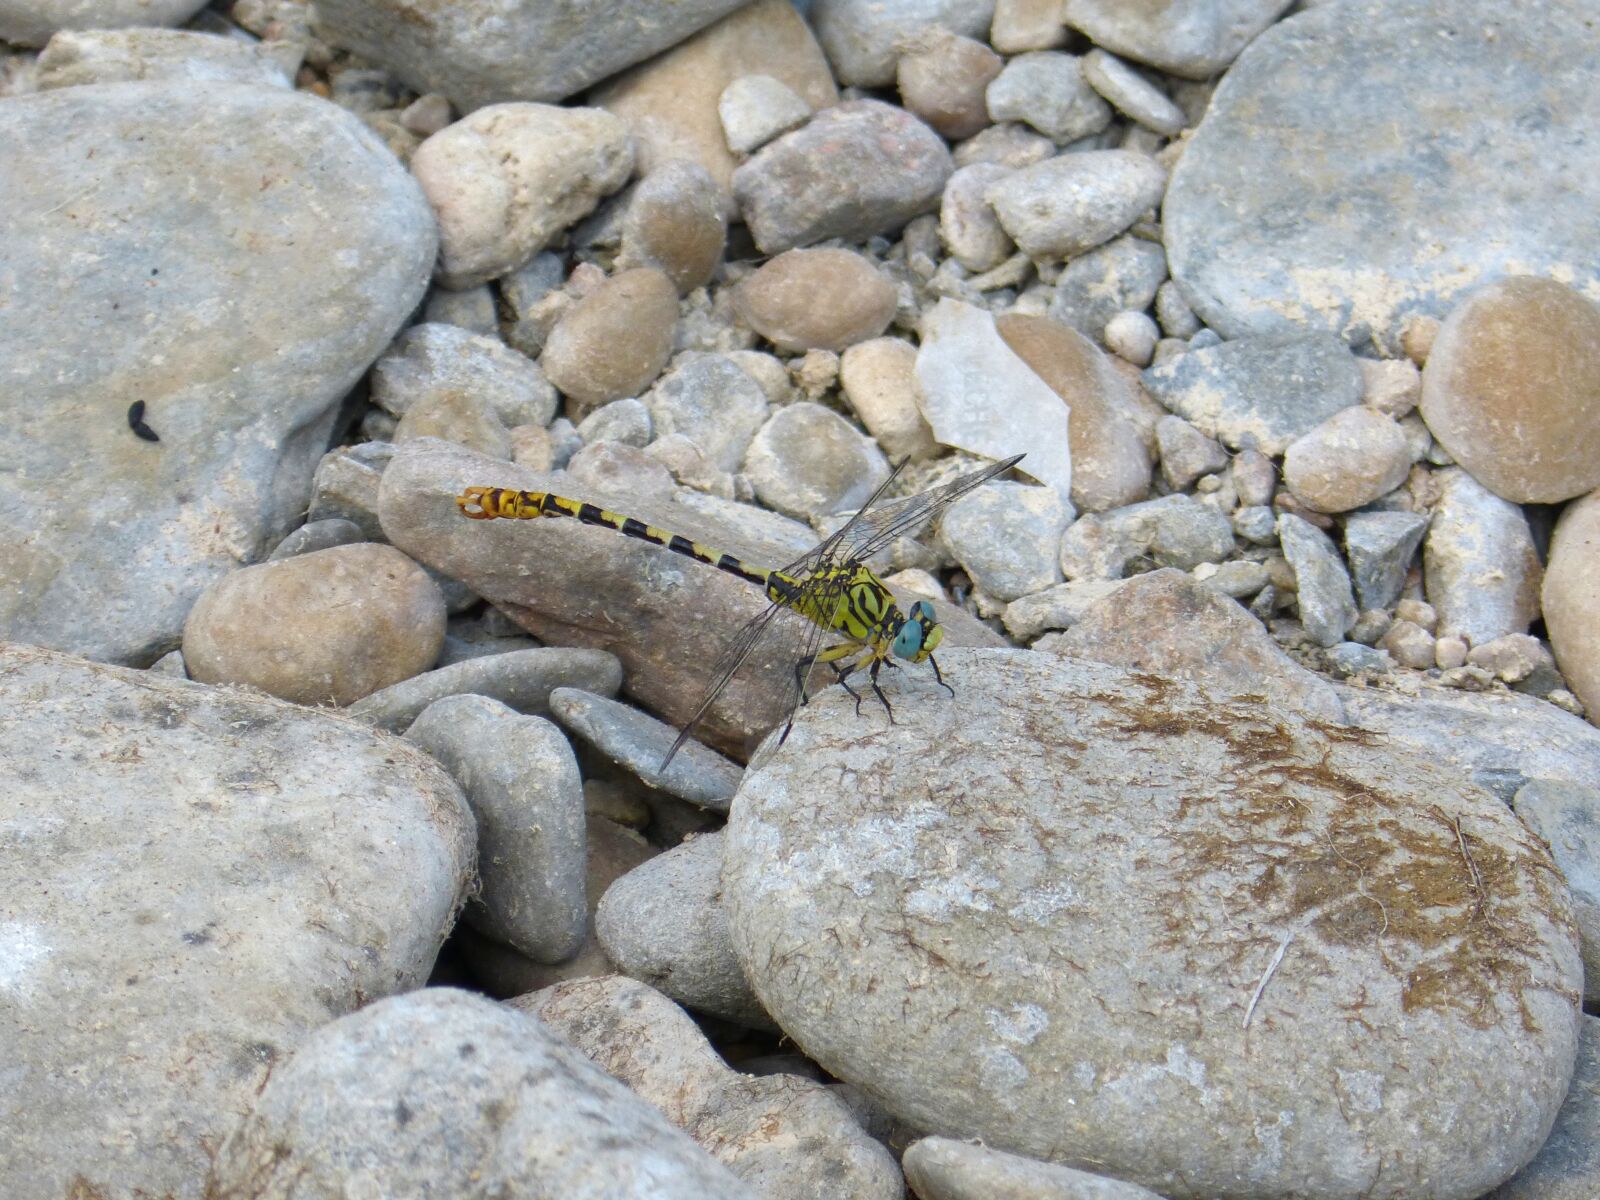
(201, 817)
(827, 299)
(968, 226)
(1511, 658)
(1123, 274)
(1057, 607)
(1132, 94)
(878, 380)
(523, 680)
(1047, 90)
(553, 577)
(1450, 652)
(32, 23)
(663, 923)
(345, 486)
(1023, 25)
(884, 167)
(1186, 453)
(1384, 237)
(674, 221)
(533, 299)
(521, 780)
(1110, 465)
(1567, 1166)
(615, 341)
(1479, 563)
(808, 461)
(229, 477)
(317, 535)
(1571, 595)
(473, 309)
(1172, 309)
(754, 109)
(1409, 645)
(1071, 203)
(863, 38)
(1566, 817)
(505, 180)
(435, 1092)
(1379, 547)
(942, 78)
(323, 628)
(1175, 531)
(1193, 40)
(455, 416)
(1350, 459)
(915, 879)
(946, 1169)
(1392, 386)
(483, 55)
(1011, 144)
(787, 1138)
(1512, 389)
(626, 421)
(1006, 536)
(638, 743)
(670, 104)
(1132, 337)
(979, 395)
(435, 361)
(713, 402)
(1274, 389)
(1327, 604)
(74, 57)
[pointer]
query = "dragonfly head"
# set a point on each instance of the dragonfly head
(920, 636)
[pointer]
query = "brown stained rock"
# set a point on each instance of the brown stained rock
(816, 299)
(1349, 460)
(1512, 389)
(1110, 465)
(323, 628)
(670, 103)
(613, 342)
(505, 180)
(460, 417)
(942, 79)
(675, 222)
(878, 379)
(1572, 600)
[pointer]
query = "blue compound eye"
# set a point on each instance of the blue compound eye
(922, 612)
(909, 640)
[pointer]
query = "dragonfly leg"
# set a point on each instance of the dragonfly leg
(831, 656)
(938, 677)
(877, 665)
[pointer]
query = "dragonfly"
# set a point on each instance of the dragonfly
(830, 587)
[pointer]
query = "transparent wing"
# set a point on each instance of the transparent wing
(871, 529)
(828, 550)
(727, 666)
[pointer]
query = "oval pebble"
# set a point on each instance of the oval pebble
(1349, 460)
(613, 342)
(816, 299)
(323, 628)
(675, 222)
(1572, 600)
(1512, 389)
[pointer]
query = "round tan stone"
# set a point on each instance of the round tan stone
(1572, 600)
(816, 300)
(1512, 389)
(879, 381)
(943, 78)
(460, 417)
(675, 222)
(323, 628)
(1110, 462)
(1351, 459)
(614, 341)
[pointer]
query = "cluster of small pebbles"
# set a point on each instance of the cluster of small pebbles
(1256, 855)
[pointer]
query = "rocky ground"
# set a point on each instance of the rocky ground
(1257, 853)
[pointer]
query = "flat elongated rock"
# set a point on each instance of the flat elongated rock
(1179, 924)
(154, 836)
(1388, 232)
(979, 395)
(1571, 599)
(1273, 389)
(119, 55)
(156, 274)
(1480, 565)
(946, 1169)
(31, 22)
(1192, 38)
(437, 1092)
(864, 38)
(1071, 203)
(485, 53)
